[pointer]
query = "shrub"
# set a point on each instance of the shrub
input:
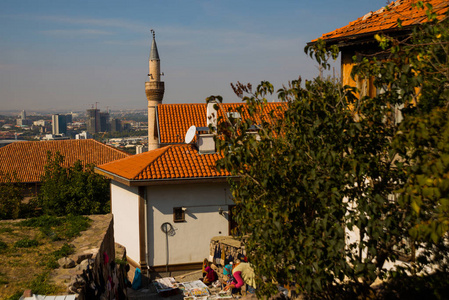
(3, 246)
(26, 243)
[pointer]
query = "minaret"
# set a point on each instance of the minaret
(154, 89)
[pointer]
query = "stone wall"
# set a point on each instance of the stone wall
(224, 249)
(97, 268)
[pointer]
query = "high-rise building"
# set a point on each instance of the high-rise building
(59, 124)
(22, 120)
(97, 121)
(68, 118)
(93, 120)
(116, 125)
(154, 90)
(104, 122)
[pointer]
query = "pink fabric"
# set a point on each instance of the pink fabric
(238, 278)
(210, 274)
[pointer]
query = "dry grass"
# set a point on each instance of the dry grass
(27, 254)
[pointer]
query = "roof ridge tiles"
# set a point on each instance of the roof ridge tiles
(27, 159)
(139, 165)
(170, 162)
(386, 19)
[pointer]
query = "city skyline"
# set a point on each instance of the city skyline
(73, 55)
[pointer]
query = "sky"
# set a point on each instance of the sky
(58, 55)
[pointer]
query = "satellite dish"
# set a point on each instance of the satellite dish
(190, 134)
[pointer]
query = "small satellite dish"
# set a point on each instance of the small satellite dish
(190, 134)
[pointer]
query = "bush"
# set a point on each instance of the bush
(58, 228)
(26, 243)
(74, 190)
(64, 251)
(3, 246)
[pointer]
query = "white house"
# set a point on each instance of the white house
(167, 205)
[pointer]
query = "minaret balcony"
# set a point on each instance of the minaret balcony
(154, 85)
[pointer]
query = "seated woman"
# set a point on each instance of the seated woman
(243, 273)
(210, 277)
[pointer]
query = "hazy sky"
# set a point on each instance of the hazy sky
(67, 55)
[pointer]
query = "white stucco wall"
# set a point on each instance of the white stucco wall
(125, 210)
(191, 239)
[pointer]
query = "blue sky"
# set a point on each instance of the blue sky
(67, 55)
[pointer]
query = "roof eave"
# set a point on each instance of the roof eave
(165, 181)
(363, 37)
(152, 182)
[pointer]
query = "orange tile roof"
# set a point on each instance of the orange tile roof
(385, 20)
(170, 162)
(27, 159)
(175, 119)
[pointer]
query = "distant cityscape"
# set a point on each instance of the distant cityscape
(124, 129)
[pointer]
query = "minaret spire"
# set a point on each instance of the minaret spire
(154, 55)
(154, 89)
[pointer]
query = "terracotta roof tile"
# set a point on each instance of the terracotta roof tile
(27, 159)
(175, 119)
(383, 19)
(169, 162)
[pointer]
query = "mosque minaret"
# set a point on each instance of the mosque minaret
(154, 89)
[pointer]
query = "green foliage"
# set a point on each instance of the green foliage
(10, 196)
(42, 285)
(415, 75)
(52, 260)
(58, 228)
(15, 296)
(434, 286)
(72, 190)
(26, 243)
(3, 246)
(314, 172)
(42, 221)
(121, 262)
(326, 162)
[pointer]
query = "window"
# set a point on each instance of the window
(179, 214)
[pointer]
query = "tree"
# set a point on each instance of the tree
(10, 197)
(314, 173)
(416, 75)
(72, 190)
(333, 163)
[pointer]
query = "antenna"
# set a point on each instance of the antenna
(190, 134)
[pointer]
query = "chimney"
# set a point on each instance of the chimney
(211, 114)
(205, 140)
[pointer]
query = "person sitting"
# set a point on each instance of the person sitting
(210, 277)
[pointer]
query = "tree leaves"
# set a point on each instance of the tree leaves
(329, 165)
(72, 190)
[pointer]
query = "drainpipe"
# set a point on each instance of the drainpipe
(147, 251)
(142, 229)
